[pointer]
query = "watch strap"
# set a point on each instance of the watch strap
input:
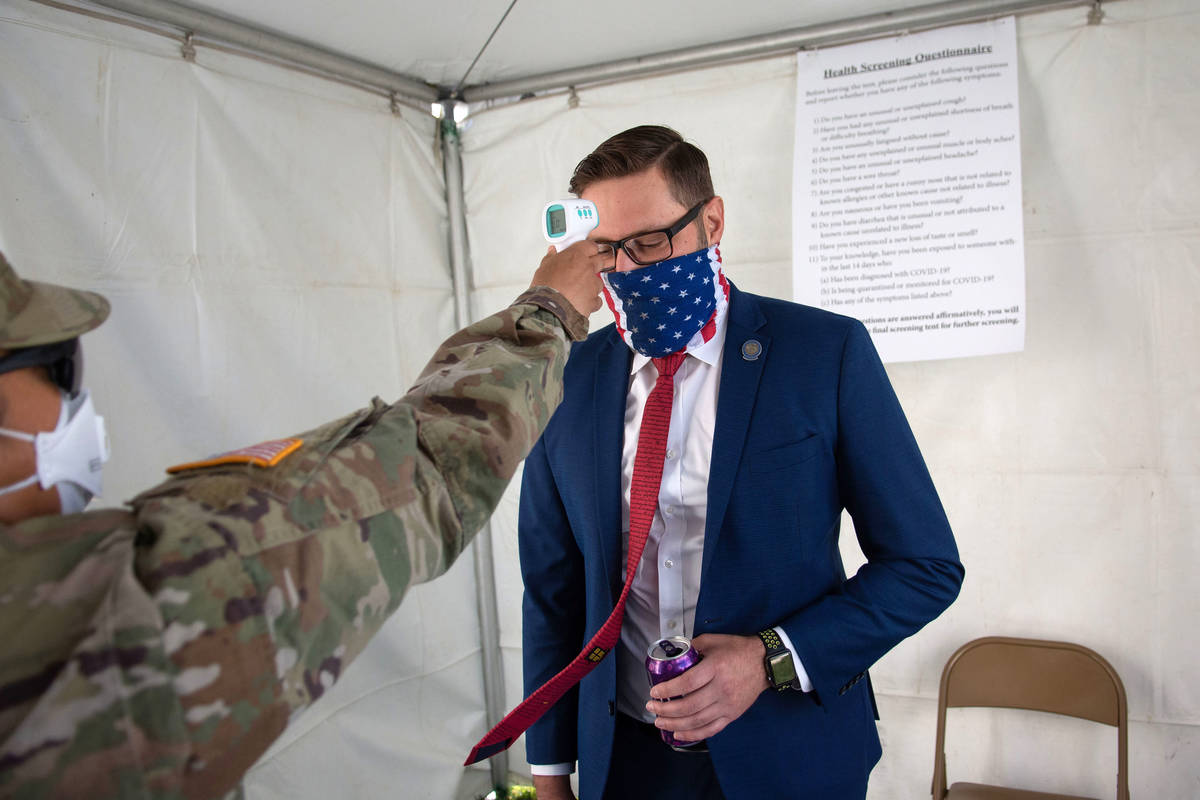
(775, 648)
(771, 640)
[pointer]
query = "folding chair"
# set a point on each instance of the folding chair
(1058, 677)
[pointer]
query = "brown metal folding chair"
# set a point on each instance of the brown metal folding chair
(1058, 677)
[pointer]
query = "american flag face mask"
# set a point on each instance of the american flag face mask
(666, 307)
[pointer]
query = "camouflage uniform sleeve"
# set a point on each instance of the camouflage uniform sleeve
(472, 425)
(250, 590)
(87, 706)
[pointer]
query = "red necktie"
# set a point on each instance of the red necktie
(643, 500)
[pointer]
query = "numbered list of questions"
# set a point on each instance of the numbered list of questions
(907, 191)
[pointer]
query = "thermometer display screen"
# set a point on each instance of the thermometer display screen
(568, 221)
(556, 221)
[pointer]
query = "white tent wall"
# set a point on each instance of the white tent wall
(1069, 471)
(274, 247)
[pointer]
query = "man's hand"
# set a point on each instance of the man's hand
(574, 273)
(716, 691)
(553, 787)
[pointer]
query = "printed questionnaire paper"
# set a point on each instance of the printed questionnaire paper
(907, 190)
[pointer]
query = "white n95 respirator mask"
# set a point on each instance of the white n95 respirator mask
(71, 456)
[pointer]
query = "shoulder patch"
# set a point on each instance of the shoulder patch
(264, 454)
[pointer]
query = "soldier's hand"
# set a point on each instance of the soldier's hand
(574, 273)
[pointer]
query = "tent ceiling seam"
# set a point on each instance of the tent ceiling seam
(120, 19)
(210, 30)
(492, 35)
(231, 36)
(872, 26)
(188, 41)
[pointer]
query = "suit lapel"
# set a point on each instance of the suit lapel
(608, 424)
(740, 376)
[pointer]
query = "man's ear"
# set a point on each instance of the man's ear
(713, 219)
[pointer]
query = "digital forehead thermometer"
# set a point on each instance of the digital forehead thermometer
(565, 222)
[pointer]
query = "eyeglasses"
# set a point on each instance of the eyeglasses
(650, 247)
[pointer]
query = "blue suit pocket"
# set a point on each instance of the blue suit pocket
(785, 455)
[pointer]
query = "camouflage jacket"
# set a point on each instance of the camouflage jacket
(157, 652)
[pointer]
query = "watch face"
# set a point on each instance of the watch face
(783, 671)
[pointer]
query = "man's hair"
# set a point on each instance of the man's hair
(638, 149)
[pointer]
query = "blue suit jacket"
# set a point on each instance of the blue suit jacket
(808, 428)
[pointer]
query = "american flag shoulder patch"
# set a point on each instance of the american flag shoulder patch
(263, 454)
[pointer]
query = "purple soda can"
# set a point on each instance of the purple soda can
(666, 659)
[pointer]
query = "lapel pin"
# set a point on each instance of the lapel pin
(751, 349)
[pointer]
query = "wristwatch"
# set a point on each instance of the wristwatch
(781, 670)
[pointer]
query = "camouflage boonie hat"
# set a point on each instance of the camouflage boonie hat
(34, 313)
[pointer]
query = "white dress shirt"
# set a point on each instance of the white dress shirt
(662, 600)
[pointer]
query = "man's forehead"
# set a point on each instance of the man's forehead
(631, 205)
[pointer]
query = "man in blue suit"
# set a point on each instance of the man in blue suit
(782, 416)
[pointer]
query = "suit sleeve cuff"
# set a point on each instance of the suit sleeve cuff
(564, 768)
(801, 673)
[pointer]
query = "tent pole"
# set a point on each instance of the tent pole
(205, 25)
(457, 214)
(484, 560)
(890, 23)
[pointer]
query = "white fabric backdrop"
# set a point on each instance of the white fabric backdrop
(1069, 471)
(274, 247)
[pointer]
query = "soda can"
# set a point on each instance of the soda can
(666, 659)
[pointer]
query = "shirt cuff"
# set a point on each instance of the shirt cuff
(564, 768)
(801, 673)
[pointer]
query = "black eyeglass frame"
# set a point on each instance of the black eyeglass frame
(670, 232)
